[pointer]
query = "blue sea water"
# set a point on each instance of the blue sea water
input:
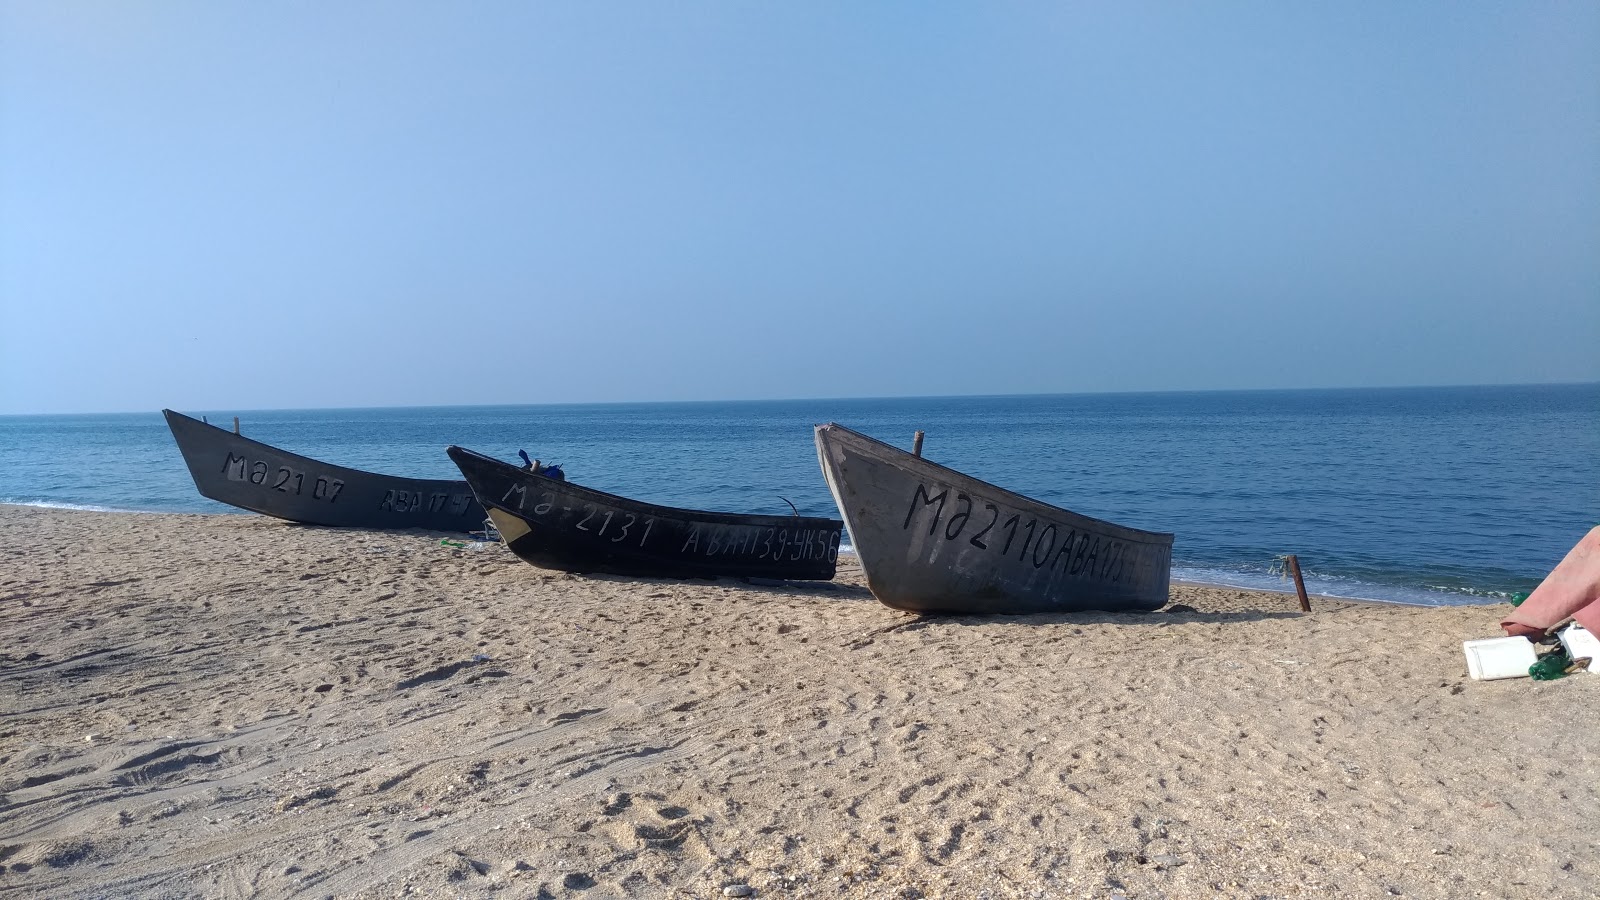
(1416, 495)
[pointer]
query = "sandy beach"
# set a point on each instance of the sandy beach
(231, 706)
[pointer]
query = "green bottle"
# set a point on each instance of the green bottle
(1550, 666)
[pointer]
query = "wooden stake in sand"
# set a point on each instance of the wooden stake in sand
(235, 424)
(916, 444)
(1292, 563)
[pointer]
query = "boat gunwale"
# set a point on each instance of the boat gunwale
(657, 510)
(452, 482)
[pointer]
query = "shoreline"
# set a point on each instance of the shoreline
(1464, 598)
(231, 706)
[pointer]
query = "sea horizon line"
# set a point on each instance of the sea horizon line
(842, 399)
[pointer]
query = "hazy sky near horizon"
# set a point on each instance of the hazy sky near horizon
(243, 206)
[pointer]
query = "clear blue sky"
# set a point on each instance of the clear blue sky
(263, 205)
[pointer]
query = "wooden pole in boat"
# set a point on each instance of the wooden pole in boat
(1292, 563)
(916, 445)
(235, 424)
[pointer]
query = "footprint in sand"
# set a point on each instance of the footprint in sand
(654, 825)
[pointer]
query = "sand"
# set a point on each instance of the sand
(230, 706)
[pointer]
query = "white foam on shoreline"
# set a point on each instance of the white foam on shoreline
(56, 504)
(1211, 577)
(1340, 589)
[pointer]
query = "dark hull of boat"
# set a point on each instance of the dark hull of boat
(561, 525)
(933, 540)
(251, 475)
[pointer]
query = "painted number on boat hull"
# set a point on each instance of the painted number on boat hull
(283, 480)
(763, 543)
(1039, 543)
(403, 501)
(608, 524)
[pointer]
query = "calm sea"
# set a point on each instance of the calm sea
(1418, 495)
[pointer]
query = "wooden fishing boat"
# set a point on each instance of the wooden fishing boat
(561, 525)
(238, 471)
(933, 540)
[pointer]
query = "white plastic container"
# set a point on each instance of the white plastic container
(1505, 657)
(1581, 642)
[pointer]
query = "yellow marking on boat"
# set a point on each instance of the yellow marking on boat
(509, 526)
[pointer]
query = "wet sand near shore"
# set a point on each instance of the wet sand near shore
(231, 706)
